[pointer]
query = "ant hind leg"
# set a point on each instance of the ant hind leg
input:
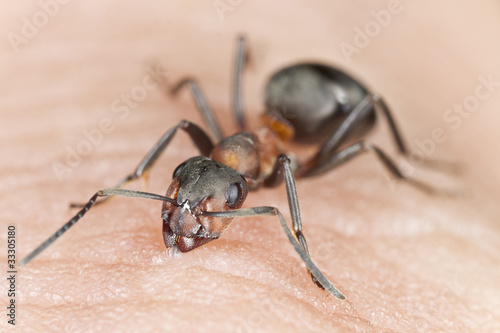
(340, 157)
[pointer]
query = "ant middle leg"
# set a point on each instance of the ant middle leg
(197, 135)
(237, 100)
(202, 104)
(239, 64)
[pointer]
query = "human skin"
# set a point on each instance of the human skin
(405, 260)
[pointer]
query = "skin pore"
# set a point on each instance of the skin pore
(406, 261)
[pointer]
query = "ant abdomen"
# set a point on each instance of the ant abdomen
(315, 99)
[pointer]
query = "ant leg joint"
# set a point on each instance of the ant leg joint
(284, 159)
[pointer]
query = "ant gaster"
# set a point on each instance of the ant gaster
(308, 103)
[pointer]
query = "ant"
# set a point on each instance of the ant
(306, 103)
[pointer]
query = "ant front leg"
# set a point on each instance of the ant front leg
(197, 135)
(293, 204)
(296, 238)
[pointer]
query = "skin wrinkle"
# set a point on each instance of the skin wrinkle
(363, 232)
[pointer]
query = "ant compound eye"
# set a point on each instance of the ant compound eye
(233, 194)
(178, 170)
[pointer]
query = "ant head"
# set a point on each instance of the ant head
(200, 185)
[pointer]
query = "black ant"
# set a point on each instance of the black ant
(309, 103)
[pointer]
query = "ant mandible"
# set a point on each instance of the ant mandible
(308, 103)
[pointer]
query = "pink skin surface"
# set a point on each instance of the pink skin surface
(407, 261)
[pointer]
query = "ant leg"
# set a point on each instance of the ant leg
(202, 105)
(338, 158)
(293, 204)
(239, 64)
(382, 106)
(426, 162)
(198, 136)
(102, 193)
(296, 238)
(322, 280)
(337, 138)
(359, 113)
(276, 176)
